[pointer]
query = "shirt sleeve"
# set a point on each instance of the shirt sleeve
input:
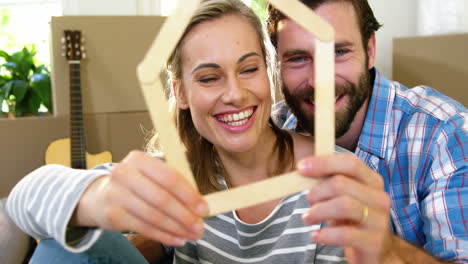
(42, 203)
(445, 208)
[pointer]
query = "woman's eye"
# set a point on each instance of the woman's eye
(208, 79)
(250, 70)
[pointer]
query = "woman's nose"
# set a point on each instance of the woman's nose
(234, 93)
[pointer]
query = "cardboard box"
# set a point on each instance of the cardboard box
(437, 61)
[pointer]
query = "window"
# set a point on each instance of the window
(26, 23)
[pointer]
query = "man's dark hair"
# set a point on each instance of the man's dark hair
(368, 24)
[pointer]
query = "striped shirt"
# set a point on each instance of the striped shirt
(43, 202)
(280, 238)
(417, 140)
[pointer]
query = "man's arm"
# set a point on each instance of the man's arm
(404, 252)
(347, 188)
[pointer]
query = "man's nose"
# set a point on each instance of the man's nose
(311, 76)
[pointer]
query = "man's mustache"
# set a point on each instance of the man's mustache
(308, 92)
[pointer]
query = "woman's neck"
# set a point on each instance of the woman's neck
(253, 165)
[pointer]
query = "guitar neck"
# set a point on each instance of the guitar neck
(77, 138)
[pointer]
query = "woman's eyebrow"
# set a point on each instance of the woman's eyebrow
(216, 66)
(241, 59)
(206, 65)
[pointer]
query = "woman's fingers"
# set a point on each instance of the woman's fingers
(138, 208)
(144, 195)
(169, 179)
(120, 219)
(156, 198)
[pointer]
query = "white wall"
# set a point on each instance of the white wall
(398, 16)
(399, 19)
(112, 7)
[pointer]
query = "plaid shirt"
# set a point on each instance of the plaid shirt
(417, 140)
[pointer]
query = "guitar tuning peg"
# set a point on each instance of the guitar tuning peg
(82, 48)
(83, 55)
(68, 37)
(77, 53)
(62, 40)
(69, 54)
(76, 45)
(69, 46)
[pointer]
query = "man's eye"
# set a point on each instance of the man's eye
(250, 70)
(340, 52)
(297, 59)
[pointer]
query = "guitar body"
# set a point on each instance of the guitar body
(58, 152)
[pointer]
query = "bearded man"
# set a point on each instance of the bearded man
(403, 196)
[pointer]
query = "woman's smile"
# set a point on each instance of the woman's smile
(236, 121)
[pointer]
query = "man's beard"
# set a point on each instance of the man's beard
(357, 95)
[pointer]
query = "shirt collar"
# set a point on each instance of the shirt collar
(375, 132)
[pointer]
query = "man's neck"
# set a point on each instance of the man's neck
(350, 139)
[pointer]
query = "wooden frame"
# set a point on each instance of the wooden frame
(279, 186)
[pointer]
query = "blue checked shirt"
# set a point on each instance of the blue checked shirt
(417, 140)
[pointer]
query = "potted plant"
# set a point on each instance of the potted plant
(23, 84)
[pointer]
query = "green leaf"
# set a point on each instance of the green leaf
(40, 83)
(34, 102)
(21, 108)
(19, 89)
(7, 88)
(5, 55)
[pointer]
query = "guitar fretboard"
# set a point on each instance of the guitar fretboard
(77, 138)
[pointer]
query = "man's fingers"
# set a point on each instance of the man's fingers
(348, 236)
(340, 185)
(344, 164)
(345, 211)
(177, 185)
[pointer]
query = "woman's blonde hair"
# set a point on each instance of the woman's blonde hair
(201, 154)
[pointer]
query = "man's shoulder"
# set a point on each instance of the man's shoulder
(283, 116)
(426, 101)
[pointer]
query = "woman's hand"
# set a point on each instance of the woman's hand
(144, 195)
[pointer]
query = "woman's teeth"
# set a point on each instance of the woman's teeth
(237, 119)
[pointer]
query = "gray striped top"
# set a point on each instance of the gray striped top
(42, 203)
(279, 238)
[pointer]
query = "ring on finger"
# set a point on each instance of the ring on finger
(365, 215)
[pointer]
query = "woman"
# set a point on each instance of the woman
(221, 86)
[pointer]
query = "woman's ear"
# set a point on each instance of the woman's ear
(181, 99)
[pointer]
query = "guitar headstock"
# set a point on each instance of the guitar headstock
(72, 45)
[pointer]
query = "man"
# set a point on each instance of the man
(405, 198)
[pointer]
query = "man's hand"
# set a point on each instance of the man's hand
(352, 199)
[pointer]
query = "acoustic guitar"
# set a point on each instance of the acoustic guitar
(71, 151)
